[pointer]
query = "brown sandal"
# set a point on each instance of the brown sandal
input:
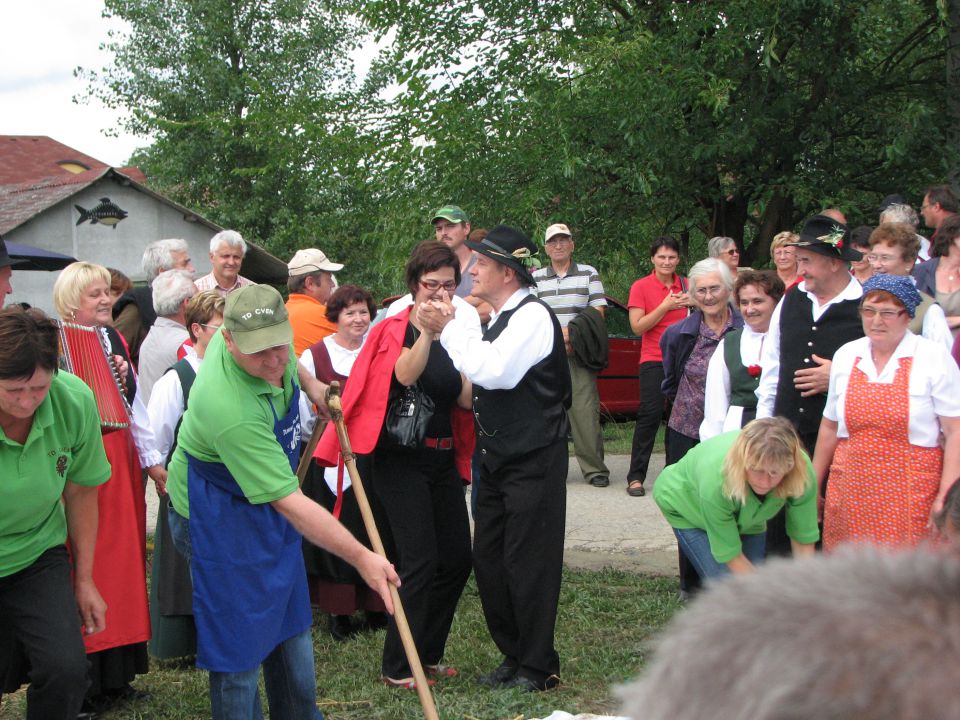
(635, 488)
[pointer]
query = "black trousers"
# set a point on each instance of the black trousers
(39, 618)
(649, 417)
(423, 500)
(518, 556)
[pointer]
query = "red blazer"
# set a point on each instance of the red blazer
(365, 400)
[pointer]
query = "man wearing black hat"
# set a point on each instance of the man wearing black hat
(521, 395)
(808, 326)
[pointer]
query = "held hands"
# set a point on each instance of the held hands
(676, 301)
(434, 315)
(93, 609)
(813, 380)
(158, 474)
(379, 574)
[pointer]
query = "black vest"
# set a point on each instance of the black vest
(801, 337)
(532, 415)
(142, 296)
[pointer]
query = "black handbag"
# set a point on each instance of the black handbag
(408, 413)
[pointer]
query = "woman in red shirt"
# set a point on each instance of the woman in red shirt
(656, 302)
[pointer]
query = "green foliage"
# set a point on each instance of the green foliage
(624, 118)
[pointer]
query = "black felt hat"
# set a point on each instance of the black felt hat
(826, 236)
(511, 247)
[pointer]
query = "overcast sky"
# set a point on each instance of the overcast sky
(44, 41)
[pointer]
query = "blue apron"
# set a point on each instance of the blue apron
(249, 584)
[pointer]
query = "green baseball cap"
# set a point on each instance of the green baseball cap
(257, 319)
(452, 213)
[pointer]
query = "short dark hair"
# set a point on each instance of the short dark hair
(766, 280)
(296, 283)
(944, 195)
(948, 231)
(428, 256)
(347, 295)
(29, 341)
(664, 241)
(860, 235)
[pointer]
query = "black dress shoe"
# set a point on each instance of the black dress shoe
(600, 481)
(503, 673)
(341, 627)
(526, 684)
(374, 621)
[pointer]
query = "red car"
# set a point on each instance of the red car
(619, 383)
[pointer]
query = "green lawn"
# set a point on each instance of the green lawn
(618, 438)
(606, 620)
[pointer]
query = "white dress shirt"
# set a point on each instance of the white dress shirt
(501, 364)
(165, 407)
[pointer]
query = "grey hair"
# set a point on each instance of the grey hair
(862, 633)
(158, 256)
(170, 289)
(231, 238)
(900, 213)
(711, 265)
(718, 244)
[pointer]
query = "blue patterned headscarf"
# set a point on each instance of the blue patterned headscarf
(900, 286)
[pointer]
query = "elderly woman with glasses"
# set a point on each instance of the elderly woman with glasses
(725, 249)
(892, 395)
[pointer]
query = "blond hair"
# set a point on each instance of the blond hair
(201, 309)
(71, 283)
(782, 238)
(766, 444)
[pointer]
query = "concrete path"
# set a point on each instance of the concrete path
(605, 526)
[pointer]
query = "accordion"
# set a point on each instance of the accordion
(83, 352)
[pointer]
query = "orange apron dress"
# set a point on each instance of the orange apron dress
(881, 487)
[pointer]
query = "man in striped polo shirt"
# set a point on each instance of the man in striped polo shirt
(569, 288)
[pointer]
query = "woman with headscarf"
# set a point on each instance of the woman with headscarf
(891, 396)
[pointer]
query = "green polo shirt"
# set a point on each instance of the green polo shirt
(230, 421)
(64, 443)
(690, 495)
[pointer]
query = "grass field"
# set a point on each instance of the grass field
(606, 621)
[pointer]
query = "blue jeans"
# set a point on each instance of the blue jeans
(288, 671)
(695, 544)
(290, 680)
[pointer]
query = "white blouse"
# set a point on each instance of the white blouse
(719, 415)
(166, 406)
(934, 379)
(342, 361)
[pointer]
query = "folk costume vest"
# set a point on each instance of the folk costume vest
(742, 385)
(800, 338)
(511, 423)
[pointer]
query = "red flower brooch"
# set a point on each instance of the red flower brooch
(754, 370)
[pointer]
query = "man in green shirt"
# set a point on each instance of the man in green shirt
(51, 462)
(237, 512)
(719, 497)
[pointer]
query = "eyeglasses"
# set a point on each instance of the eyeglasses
(712, 290)
(868, 313)
(873, 257)
(731, 251)
(436, 285)
(209, 327)
(559, 240)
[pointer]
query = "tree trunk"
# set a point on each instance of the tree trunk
(777, 217)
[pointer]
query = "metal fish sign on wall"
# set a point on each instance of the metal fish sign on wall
(106, 213)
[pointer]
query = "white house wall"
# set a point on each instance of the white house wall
(120, 246)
